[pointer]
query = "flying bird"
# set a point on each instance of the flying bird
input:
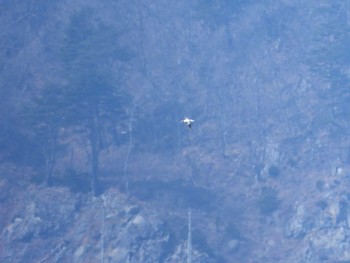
(188, 122)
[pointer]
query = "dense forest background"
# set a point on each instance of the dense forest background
(96, 166)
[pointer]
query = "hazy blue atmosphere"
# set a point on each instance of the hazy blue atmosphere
(96, 165)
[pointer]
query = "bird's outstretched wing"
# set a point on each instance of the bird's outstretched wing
(188, 122)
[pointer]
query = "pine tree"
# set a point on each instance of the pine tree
(94, 103)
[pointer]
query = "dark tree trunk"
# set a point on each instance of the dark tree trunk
(50, 159)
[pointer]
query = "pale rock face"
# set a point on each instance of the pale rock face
(78, 253)
(296, 227)
(108, 227)
(138, 220)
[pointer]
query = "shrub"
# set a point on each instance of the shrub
(268, 201)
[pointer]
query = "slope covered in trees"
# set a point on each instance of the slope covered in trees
(93, 93)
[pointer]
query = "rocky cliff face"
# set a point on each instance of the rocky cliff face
(55, 225)
(41, 224)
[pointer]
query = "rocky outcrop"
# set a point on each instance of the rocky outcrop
(323, 230)
(55, 225)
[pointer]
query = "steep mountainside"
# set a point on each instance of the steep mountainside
(95, 165)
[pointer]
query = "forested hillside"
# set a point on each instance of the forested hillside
(95, 165)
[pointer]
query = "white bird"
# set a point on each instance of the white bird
(188, 122)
